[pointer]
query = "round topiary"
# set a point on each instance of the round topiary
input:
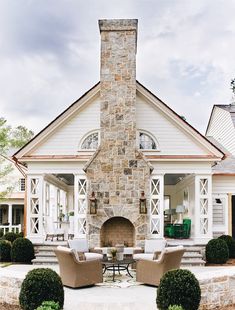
(49, 305)
(1, 233)
(22, 250)
(217, 251)
(179, 287)
(39, 285)
(232, 249)
(10, 236)
(229, 240)
(5, 251)
(175, 307)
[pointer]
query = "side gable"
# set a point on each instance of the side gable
(221, 127)
(180, 138)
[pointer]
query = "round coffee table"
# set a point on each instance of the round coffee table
(117, 265)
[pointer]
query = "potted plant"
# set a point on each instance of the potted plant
(113, 253)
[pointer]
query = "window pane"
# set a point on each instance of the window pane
(91, 142)
(146, 142)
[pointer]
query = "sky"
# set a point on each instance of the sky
(50, 54)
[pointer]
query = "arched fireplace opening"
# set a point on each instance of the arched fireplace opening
(117, 230)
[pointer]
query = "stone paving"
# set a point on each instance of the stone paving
(217, 285)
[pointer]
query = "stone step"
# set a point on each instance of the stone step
(46, 254)
(45, 261)
(193, 249)
(192, 254)
(192, 262)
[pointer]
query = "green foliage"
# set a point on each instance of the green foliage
(217, 251)
(229, 240)
(232, 249)
(1, 233)
(22, 250)
(178, 287)
(49, 305)
(5, 251)
(39, 285)
(175, 307)
(20, 136)
(10, 236)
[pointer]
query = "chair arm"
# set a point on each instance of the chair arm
(138, 251)
(99, 251)
(148, 272)
(156, 254)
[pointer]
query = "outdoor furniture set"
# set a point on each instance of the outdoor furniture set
(79, 267)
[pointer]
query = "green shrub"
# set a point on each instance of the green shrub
(20, 235)
(178, 287)
(39, 285)
(49, 305)
(175, 307)
(1, 233)
(22, 250)
(232, 249)
(217, 251)
(10, 236)
(229, 240)
(5, 251)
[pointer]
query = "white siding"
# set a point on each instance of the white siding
(222, 129)
(65, 140)
(55, 167)
(223, 184)
(172, 140)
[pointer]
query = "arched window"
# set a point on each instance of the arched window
(146, 142)
(91, 142)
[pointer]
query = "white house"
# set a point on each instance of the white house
(116, 146)
(12, 205)
(221, 130)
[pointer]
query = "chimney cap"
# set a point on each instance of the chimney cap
(118, 24)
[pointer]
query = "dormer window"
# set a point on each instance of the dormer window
(91, 141)
(146, 142)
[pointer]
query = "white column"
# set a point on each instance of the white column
(157, 206)
(10, 216)
(203, 208)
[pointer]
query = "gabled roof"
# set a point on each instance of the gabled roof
(227, 107)
(216, 151)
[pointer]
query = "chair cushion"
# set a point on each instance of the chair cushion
(147, 256)
(80, 245)
(93, 256)
(80, 256)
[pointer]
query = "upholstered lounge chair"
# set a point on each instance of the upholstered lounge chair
(81, 245)
(77, 273)
(150, 272)
(152, 249)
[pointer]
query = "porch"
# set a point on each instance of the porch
(11, 217)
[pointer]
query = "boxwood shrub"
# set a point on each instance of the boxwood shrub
(229, 240)
(10, 236)
(50, 305)
(39, 285)
(217, 251)
(175, 307)
(22, 250)
(178, 287)
(232, 249)
(5, 251)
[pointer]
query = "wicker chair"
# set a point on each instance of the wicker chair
(151, 271)
(77, 273)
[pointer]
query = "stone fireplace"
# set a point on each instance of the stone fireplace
(118, 173)
(117, 230)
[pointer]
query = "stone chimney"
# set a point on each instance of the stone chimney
(117, 172)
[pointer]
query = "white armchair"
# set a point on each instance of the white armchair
(81, 245)
(152, 249)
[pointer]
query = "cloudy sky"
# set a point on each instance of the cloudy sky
(49, 54)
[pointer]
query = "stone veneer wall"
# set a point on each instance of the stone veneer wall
(118, 173)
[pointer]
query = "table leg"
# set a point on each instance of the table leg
(127, 269)
(113, 273)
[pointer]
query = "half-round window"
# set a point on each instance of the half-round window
(146, 142)
(91, 142)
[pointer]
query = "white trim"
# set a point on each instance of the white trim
(182, 124)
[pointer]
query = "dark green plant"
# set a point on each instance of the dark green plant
(10, 236)
(49, 305)
(232, 249)
(20, 235)
(217, 251)
(229, 240)
(175, 307)
(22, 251)
(39, 285)
(1, 233)
(178, 287)
(5, 251)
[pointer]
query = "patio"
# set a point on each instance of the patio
(217, 285)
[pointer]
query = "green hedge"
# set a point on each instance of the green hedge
(22, 251)
(5, 251)
(217, 251)
(39, 285)
(178, 287)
